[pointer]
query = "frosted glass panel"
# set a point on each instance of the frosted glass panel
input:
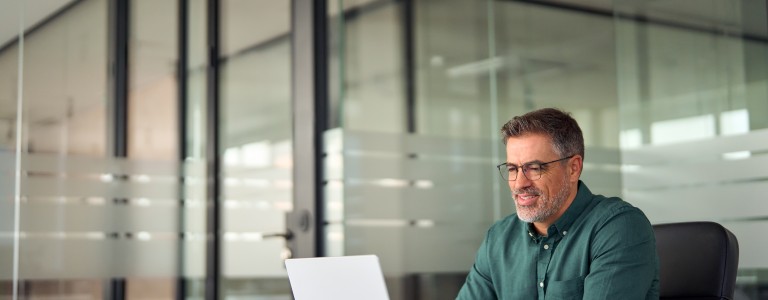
(7, 214)
(402, 196)
(75, 224)
(256, 147)
(692, 106)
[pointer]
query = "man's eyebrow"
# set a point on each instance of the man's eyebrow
(530, 162)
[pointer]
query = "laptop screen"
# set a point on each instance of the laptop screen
(337, 278)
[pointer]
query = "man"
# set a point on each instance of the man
(564, 242)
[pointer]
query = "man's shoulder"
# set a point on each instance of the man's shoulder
(506, 224)
(615, 211)
(608, 208)
(611, 205)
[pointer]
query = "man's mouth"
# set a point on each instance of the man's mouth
(526, 199)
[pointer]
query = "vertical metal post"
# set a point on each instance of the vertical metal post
(309, 73)
(181, 91)
(213, 169)
(119, 18)
(409, 62)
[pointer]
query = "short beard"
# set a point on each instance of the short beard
(545, 207)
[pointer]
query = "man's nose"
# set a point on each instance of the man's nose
(522, 180)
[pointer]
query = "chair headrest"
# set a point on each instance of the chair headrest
(696, 259)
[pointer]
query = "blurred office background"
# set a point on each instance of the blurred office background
(166, 149)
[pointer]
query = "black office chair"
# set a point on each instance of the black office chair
(697, 260)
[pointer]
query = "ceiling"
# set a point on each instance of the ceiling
(545, 39)
(33, 11)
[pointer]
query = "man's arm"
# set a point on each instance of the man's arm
(479, 284)
(624, 262)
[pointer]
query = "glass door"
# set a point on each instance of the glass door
(256, 146)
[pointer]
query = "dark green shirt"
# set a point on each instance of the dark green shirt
(600, 248)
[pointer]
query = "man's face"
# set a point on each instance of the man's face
(545, 199)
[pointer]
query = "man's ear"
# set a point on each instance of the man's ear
(575, 166)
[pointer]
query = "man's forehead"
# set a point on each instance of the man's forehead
(530, 141)
(529, 148)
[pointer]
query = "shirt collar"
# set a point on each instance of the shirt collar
(583, 195)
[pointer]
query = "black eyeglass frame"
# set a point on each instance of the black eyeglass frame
(524, 169)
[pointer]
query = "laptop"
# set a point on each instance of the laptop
(337, 278)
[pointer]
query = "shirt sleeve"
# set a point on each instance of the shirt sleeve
(624, 262)
(479, 284)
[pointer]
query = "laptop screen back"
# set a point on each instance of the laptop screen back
(337, 278)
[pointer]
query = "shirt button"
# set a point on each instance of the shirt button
(565, 232)
(546, 246)
(541, 284)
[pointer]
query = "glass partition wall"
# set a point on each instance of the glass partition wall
(90, 105)
(692, 105)
(408, 157)
(57, 232)
(108, 178)
(663, 92)
(256, 147)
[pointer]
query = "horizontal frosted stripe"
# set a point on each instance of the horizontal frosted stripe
(257, 173)
(60, 259)
(244, 192)
(194, 219)
(71, 259)
(246, 259)
(71, 187)
(131, 166)
(67, 164)
(111, 217)
(600, 155)
(443, 204)
(711, 202)
(338, 140)
(7, 206)
(412, 169)
(395, 246)
(650, 177)
(96, 165)
(194, 192)
(752, 243)
(594, 178)
(142, 236)
(194, 168)
(70, 217)
(253, 219)
(194, 259)
(703, 150)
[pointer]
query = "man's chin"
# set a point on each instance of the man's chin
(525, 216)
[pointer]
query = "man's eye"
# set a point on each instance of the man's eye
(511, 168)
(533, 168)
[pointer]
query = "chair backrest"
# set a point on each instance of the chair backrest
(697, 260)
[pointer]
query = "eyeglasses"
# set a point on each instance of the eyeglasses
(532, 171)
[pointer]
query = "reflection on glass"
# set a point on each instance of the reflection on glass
(692, 119)
(256, 143)
(399, 194)
(153, 137)
(193, 194)
(9, 82)
(64, 115)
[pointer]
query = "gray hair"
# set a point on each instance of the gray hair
(565, 133)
